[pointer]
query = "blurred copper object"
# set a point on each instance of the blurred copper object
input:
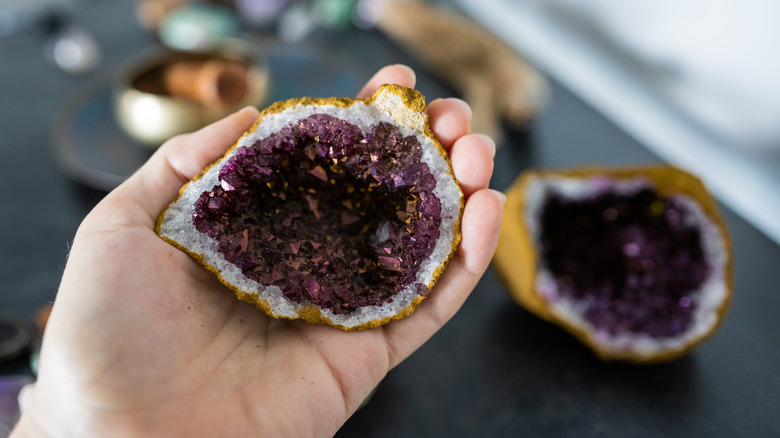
(151, 13)
(42, 316)
(210, 82)
(494, 79)
(162, 93)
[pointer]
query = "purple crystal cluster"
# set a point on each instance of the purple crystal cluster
(632, 260)
(328, 213)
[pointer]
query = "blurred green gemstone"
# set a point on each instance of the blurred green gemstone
(334, 13)
(197, 28)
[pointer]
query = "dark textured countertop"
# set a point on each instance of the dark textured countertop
(494, 370)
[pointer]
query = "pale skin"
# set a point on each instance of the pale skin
(143, 341)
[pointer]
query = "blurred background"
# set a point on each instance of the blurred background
(90, 88)
(693, 80)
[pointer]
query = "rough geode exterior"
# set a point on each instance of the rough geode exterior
(395, 106)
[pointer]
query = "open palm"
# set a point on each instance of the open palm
(144, 341)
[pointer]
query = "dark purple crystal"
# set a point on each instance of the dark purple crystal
(632, 260)
(330, 214)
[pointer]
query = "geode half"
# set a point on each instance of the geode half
(335, 211)
(635, 262)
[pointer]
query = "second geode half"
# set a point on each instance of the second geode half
(635, 262)
(335, 211)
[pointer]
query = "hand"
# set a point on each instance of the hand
(144, 341)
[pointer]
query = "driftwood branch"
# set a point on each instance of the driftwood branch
(494, 79)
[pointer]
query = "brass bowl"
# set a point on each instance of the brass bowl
(150, 115)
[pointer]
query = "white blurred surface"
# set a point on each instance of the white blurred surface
(695, 81)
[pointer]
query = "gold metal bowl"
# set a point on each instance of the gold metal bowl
(150, 114)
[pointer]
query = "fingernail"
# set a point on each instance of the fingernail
(491, 143)
(406, 67)
(248, 108)
(502, 195)
(409, 70)
(464, 104)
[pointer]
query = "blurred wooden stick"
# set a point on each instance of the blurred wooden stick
(494, 79)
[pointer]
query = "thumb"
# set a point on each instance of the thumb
(158, 181)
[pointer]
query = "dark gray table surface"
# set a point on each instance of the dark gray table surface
(494, 370)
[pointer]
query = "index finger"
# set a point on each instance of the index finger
(392, 74)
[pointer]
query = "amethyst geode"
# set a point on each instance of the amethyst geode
(334, 211)
(330, 214)
(632, 260)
